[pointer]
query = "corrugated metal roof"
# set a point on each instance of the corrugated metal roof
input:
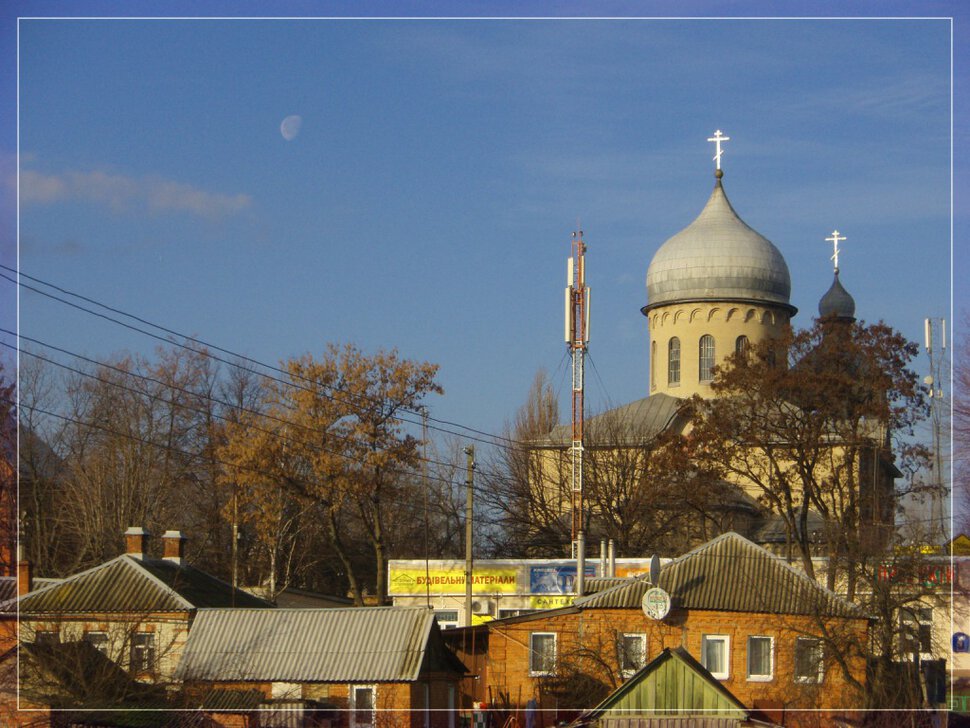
(631, 424)
(367, 644)
(130, 585)
(730, 574)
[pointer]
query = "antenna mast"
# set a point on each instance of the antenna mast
(577, 339)
(936, 353)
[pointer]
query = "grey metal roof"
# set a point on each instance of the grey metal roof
(730, 574)
(718, 257)
(836, 301)
(631, 424)
(126, 584)
(368, 644)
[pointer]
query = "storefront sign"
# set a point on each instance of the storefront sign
(556, 579)
(550, 602)
(411, 580)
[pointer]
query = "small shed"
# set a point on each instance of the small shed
(671, 691)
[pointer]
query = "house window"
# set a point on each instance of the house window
(809, 665)
(503, 613)
(633, 653)
(706, 358)
(142, 652)
(915, 630)
(47, 637)
(714, 654)
(741, 345)
(98, 640)
(542, 653)
(761, 658)
(673, 361)
(362, 703)
(447, 618)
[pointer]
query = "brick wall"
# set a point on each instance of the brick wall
(589, 664)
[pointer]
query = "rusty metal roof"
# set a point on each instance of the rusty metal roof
(130, 585)
(366, 644)
(730, 574)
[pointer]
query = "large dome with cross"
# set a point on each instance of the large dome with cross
(718, 257)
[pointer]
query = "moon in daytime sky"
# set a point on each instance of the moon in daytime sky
(291, 127)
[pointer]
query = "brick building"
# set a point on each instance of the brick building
(771, 636)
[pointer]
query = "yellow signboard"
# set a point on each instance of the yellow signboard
(411, 580)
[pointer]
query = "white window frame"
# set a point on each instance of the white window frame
(771, 659)
(98, 639)
(353, 706)
(726, 640)
(533, 653)
(673, 372)
(447, 623)
(147, 653)
(809, 679)
(706, 358)
(912, 621)
(642, 638)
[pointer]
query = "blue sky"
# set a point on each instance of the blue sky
(428, 199)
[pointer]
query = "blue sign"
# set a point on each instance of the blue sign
(961, 642)
(555, 579)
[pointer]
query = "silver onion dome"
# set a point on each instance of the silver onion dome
(718, 257)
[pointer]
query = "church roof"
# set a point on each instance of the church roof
(630, 424)
(718, 257)
(837, 302)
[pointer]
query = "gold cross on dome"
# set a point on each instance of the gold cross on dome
(717, 139)
(835, 239)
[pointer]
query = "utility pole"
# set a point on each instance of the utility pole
(469, 483)
(577, 339)
(936, 353)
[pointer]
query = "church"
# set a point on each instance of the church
(715, 289)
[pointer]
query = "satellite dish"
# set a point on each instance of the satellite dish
(655, 570)
(656, 603)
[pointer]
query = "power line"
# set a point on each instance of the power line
(491, 437)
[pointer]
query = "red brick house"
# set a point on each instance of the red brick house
(771, 636)
(365, 667)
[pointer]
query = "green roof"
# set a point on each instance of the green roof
(673, 683)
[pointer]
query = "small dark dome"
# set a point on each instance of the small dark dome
(837, 302)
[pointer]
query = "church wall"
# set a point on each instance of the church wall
(689, 322)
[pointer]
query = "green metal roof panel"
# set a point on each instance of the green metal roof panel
(366, 644)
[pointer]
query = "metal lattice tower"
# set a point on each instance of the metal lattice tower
(577, 339)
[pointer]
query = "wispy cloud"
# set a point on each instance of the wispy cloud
(122, 193)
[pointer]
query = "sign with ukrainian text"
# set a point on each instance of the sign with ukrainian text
(411, 580)
(551, 601)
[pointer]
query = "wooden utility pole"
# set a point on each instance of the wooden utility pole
(469, 500)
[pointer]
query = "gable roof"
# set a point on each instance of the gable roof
(130, 585)
(673, 683)
(368, 644)
(730, 574)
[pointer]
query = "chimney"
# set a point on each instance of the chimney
(174, 546)
(25, 573)
(136, 542)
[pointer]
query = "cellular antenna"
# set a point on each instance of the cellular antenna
(577, 339)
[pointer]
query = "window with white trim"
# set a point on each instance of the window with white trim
(542, 653)
(98, 640)
(761, 658)
(362, 706)
(706, 358)
(633, 652)
(447, 618)
(715, 655)
(142, 657)
(673, 361)
(915, 631)
(809, 662)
